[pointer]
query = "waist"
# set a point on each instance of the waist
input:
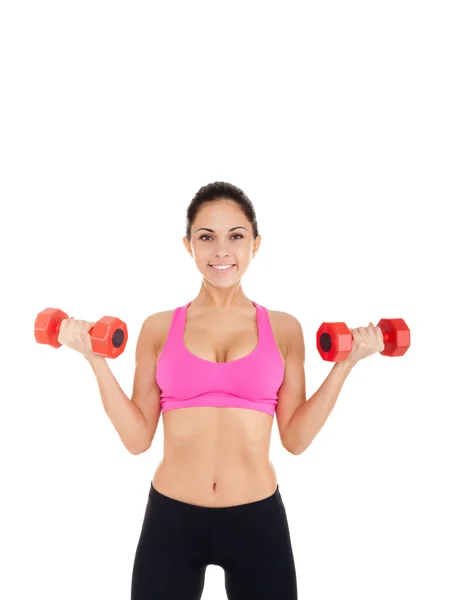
(216, 482)
(197, 508)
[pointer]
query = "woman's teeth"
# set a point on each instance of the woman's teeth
(222, 269)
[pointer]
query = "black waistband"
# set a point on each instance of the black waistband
(274, 500)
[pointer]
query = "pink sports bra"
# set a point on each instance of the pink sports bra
(250, 382)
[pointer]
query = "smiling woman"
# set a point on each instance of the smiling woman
(217, 369)
(214, 369)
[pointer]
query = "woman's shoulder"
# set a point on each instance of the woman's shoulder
(157, 326)
(160, 319)
(284, 318)
(286, 324)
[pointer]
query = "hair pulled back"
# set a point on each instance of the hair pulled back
(216, 191)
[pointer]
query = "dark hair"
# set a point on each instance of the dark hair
(220, 190)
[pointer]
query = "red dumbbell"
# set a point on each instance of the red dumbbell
(109, 336)
(334, 340)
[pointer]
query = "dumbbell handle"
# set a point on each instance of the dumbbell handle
(58, 327)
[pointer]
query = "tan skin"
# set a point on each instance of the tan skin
(219, 456)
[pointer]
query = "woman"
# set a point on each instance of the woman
(232, 364)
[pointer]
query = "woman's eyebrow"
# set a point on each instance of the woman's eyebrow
(212, 230)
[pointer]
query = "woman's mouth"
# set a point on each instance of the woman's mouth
(222, 268)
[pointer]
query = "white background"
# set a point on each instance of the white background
(333, 117)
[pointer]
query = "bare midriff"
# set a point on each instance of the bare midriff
(216, 456)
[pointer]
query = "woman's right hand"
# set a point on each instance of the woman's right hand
(75, 334)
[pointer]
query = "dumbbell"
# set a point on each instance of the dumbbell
(109, 335)
(334, 340)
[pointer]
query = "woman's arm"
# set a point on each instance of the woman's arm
(134, 420)
(125, 416)
(301, 419)
(309, 418)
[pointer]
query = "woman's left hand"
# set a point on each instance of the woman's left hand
(366, 341)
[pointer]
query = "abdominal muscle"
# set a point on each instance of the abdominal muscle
(216, 457)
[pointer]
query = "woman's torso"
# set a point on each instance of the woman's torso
(218, 456)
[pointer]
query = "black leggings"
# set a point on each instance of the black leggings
(251, 542)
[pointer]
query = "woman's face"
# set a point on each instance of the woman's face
(222, 235)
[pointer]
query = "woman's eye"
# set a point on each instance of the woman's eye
(208, 236)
